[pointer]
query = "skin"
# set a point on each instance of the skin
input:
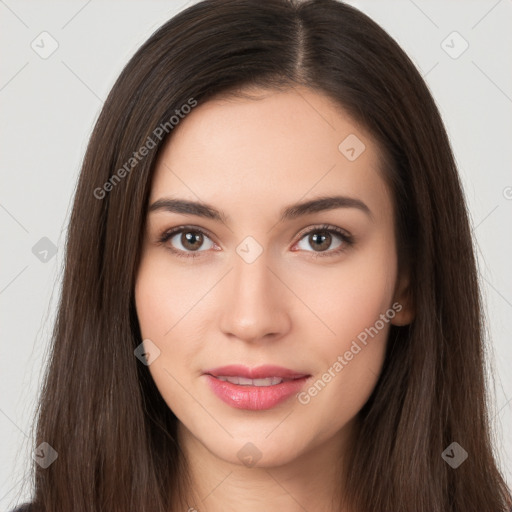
(250, 158)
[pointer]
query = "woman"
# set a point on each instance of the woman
(270, 298)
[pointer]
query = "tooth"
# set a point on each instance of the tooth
(243, 381)
(262, 382)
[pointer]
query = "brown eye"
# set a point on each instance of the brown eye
(322, 240)
(191, 240)
(184, 241)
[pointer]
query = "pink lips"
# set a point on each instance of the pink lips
(253, 397)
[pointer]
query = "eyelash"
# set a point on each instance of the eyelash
(347, 240)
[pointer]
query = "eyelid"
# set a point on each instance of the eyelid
(324, 227)
(169, 233)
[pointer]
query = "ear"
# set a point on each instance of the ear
(404, 312)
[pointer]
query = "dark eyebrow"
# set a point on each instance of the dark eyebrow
(290, 212)
(188, 208)
(322, 204)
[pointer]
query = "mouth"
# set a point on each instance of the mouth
(256, 389)
(243, 381)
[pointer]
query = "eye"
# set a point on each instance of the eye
(190, 242)
(184, 241)
(325, 240)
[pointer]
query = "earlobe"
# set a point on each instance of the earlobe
(404, 311)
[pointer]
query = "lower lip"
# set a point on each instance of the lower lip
(255, 398)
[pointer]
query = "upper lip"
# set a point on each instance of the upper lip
(259, 372)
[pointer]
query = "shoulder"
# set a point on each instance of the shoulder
(26, 507)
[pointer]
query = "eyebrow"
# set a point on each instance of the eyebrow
(290, 212)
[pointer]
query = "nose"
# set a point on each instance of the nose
(255, 302)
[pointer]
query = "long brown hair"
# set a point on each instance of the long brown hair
(99, 407)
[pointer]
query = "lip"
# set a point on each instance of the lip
(256, 398)
(260, 372)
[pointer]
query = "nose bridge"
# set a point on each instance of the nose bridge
(254, 307)
(251, 279)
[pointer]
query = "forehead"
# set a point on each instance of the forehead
(271, 148)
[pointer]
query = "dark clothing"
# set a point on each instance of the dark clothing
(26, 507)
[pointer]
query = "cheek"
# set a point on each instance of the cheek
(165, 306)
(348, 297)
(174, 311)
(158, 312)
(167, 297)
(354, 300)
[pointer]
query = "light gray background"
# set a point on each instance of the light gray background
(49, 106)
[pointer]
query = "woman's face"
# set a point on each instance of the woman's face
(269, 243)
